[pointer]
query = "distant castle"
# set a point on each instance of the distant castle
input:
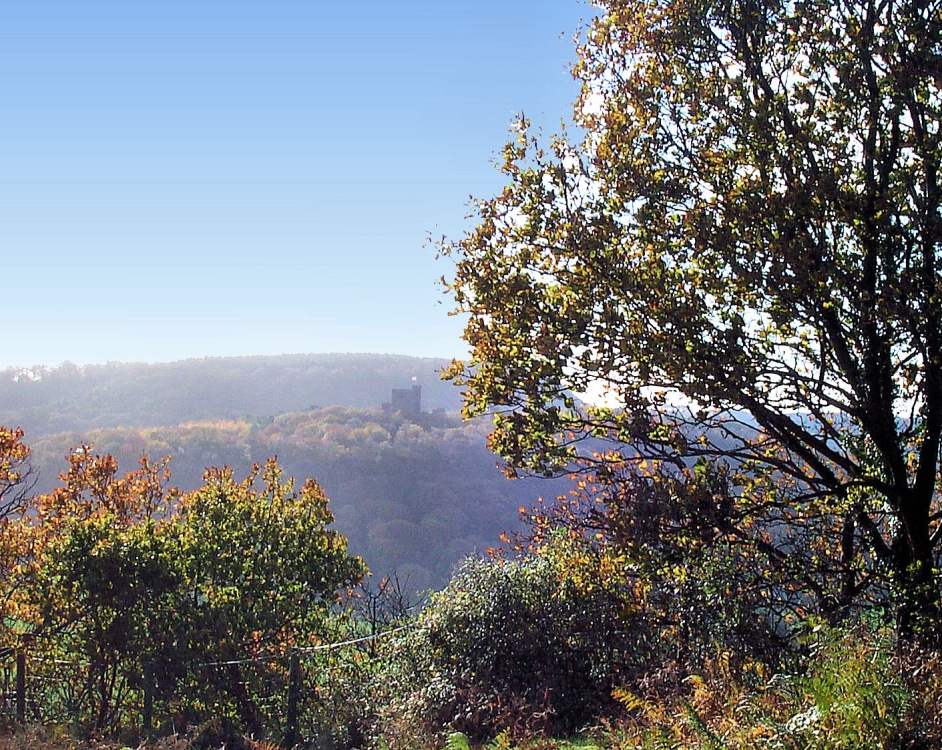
(406, 401)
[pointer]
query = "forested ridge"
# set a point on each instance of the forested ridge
(69, 398)
(414, 495)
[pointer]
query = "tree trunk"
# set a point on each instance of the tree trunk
(917, 590)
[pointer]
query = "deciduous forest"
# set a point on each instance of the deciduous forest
(707, 315)
(413, 494)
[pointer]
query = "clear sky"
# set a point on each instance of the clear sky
(190, 178)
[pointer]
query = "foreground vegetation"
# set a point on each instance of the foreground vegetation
(743, 253)
(233, 615)
(849, 688)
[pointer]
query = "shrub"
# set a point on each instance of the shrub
(509, 644)
(858, 688)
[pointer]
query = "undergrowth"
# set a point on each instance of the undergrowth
(857, 688)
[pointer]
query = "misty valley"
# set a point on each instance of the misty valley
(414, 491)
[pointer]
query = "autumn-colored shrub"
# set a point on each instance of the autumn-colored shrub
(857, 688)
(131, 594)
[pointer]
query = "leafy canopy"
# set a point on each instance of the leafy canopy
(116, 574)
(741, 254)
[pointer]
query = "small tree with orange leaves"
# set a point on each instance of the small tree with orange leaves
(16, 481)
(100, 581)
(123, 572)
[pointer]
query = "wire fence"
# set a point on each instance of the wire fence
(287, 695)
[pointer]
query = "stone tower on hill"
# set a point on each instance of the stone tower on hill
(406, 401)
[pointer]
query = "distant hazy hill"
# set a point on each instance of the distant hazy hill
(67, 398)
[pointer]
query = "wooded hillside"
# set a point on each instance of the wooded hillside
(414, 495)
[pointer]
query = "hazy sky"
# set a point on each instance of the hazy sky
(188, 178)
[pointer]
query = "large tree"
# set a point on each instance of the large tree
(741, 254)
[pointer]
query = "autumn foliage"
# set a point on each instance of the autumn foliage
(111, 576)
(737, 259)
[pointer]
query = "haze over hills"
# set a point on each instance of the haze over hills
(44, 400)
(413, 491)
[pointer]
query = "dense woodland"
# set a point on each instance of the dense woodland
(738, 250)
(413, 494)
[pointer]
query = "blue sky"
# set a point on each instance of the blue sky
(189, 178)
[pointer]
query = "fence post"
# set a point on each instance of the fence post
(294, 688)
(148, 718)
(21, 687)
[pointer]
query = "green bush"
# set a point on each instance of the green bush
(854, 694)
(508, 645)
